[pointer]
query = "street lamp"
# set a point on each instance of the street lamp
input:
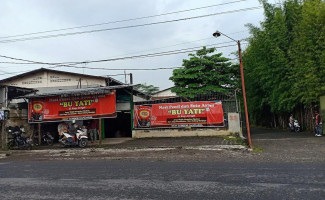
(217, 34)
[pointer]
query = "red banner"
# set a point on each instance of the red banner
(69, 108)
(187, 114)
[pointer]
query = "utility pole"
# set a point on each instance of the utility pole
(217, 34)
(131, 79)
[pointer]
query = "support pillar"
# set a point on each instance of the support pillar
(3, 136)
(100, 131)
(39, 133)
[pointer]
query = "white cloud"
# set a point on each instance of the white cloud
(19, 17)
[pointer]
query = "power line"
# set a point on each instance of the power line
(69, 64)
(36, 62)
(7, 73)
(108, 69)
(114, 69)
(131, 26)
(179, 44)
(125, 20)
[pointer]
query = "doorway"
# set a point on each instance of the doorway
(119, 126)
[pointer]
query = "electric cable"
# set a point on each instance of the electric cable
(125, 20)
(126, 27)
(172, 52)
(111, 69)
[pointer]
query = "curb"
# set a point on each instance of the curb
(135, 149)
(3, 155)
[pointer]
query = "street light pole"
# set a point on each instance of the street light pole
(217, 34)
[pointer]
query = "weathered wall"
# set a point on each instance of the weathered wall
(19, 118)
(53, 79)
(234, 122)
(178, 132)
(165, 93)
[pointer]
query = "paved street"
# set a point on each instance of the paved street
(290, 167)
(160, 180)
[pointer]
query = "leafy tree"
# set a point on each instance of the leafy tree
(285, 59)
(205, 73)
(147, 89)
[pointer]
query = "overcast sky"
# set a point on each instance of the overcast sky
(23, 17)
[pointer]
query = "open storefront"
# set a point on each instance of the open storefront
(81, 106)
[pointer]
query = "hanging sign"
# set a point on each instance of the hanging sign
(186, 114)
(57, 108)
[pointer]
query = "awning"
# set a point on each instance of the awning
(76, 92)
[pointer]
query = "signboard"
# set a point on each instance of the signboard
(176, 115)
(57, 108)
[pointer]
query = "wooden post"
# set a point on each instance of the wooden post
(100, 131)
(3, 138)
(39, 133)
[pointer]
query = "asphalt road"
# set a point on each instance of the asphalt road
(160, 180)
(291, 166)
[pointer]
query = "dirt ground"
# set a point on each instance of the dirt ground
(269, 146)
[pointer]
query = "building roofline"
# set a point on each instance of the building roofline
(163, 90)
(72, 73)
(43, 70)
(82, 91)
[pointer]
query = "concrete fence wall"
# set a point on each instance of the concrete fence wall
(233, 127)
(190, 132)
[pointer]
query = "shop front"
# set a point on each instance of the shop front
(88, 108)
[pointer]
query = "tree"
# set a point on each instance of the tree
(147, 89)
(284, 61)
(205, 73)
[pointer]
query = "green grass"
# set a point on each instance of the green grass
(235, 139)
(258, 149)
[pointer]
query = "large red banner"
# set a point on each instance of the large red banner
(187, 114)
(58, 108)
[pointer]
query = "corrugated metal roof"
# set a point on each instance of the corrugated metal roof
(77, 92)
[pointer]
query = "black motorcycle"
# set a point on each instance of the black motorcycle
(46, 138)
(17, 140)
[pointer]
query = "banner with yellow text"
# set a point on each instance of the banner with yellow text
(185, 114)
(58, 108)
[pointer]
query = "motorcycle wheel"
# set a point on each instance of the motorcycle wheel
(297, 130)
(21, 146)
(28, 146)
(62, 144)
(35, 141)
(11, 144)
(83, 143)
(49, 142)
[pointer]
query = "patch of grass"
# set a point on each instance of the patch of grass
(258, 149)
(236, 140)
(63, 151)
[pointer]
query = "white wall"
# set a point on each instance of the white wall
(165, 93)
(54, 79)
(178, 132)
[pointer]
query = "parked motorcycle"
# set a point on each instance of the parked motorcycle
(74, 139)
(17, 140)
(295, 127)
(46, 138)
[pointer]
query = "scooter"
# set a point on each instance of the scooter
(74, 139)
(46, 138)
(295, 127)
(18, 140)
